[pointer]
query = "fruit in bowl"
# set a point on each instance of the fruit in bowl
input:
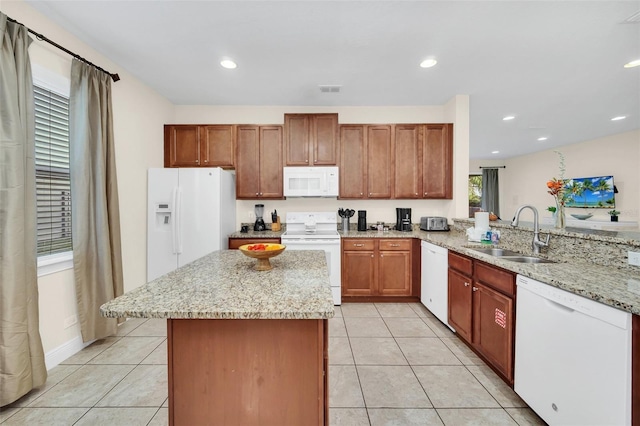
(262, 252)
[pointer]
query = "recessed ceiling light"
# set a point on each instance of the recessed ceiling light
(544, 138)
(632, 64)
(495, 152)
(428, 63)
(228, 63)
(508, 117)
(620, 117)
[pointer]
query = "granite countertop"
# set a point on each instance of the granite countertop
(224, 285)
(257, 234)
(609, 285)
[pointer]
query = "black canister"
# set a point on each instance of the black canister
(362, 220)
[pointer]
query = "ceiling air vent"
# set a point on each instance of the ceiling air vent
(633, 19)
(329, 88)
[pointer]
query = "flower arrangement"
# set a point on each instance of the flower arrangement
(556, 187)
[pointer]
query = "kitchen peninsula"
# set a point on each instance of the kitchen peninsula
(244, 347)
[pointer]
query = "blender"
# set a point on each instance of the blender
(259, 225)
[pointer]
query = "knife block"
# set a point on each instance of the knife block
(275, 226)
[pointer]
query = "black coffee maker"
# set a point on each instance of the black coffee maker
(403, 220)
(362, 220)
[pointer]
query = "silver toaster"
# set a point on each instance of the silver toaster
(434, 223)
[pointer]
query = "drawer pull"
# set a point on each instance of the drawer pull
(358, 245)
(394, 245)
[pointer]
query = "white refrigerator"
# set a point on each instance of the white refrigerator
(191, 212)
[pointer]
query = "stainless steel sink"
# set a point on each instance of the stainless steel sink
(526, 259)
(497, 252)
(510, 255)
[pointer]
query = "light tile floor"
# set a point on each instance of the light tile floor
(390, 364)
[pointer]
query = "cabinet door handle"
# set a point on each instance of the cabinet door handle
(416, 193)
(475, 288)
(371, 255)
(361, 193)
(197, 161)
(358, 245)
(315, 161)
(306, 161)
(425, 193)
(466, 284)
(369, 194)
(382, 255)
(394, 245)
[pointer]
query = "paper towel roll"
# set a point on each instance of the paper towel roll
(482, 220)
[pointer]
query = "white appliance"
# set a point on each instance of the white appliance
(573, 357)
(191, 212)
(310, 181)
(317, 231)
(434, 291)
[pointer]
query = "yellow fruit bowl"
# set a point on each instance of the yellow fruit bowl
(262, 252)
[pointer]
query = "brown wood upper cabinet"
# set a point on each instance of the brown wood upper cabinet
(366, 161)
(259, 162)
(423, 161)
(311, 139)
(199, 145)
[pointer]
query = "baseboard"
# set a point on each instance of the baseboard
(64, 351)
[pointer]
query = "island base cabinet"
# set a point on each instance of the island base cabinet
(247, 372)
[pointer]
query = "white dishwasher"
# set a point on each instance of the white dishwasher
(434, 289)
(573, 357)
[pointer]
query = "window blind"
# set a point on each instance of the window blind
(53, 184)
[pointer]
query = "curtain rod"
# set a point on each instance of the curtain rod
(492, 167)
(115, 77)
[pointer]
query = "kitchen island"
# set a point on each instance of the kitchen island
(244, 347)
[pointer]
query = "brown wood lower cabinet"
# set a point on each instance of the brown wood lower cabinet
(380, 267)
(482, 310)
(234, 243)
(247, 372)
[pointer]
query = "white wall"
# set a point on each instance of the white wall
(523, 181)
(139, 115)
(455, 111)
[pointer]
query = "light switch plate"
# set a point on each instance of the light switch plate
(634, 258)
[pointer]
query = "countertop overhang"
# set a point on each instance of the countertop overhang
(225, 285)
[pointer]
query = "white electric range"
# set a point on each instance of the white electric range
(316, 231)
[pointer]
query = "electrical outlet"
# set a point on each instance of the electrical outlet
(634, 258)
(251, 215)
(70, 321)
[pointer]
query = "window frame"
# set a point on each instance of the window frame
(61, 85)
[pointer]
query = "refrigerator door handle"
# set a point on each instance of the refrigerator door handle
(174, 242)
(178, 222)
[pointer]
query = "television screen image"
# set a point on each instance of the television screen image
(597, 192)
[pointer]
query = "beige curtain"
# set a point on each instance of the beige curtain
(22, 365)
(97, 259)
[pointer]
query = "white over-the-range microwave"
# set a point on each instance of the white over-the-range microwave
(310, 181)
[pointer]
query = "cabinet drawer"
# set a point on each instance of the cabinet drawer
(353, 244)
(460, 263)
(395, 244)
(496, 278)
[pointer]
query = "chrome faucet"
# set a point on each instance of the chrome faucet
(536, 243)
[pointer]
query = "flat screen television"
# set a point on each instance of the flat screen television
(595, 192)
